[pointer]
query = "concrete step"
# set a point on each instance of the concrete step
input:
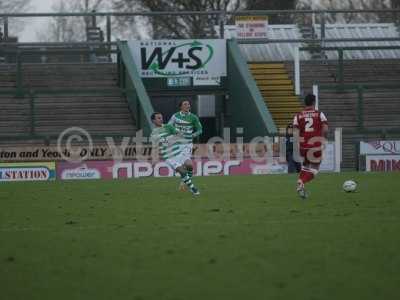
(288, 88)
(287, 106)
(120, 130)
(270, 76)
(83, 116)
(289, 101)
(283, 114)
(268, 71)
(283, 110)
(97, 123)
(270, 82)
(283, 93)
(253, 66)
(81, 106)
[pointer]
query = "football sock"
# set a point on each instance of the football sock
(187, 180)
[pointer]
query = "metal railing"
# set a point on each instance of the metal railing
(221, 15)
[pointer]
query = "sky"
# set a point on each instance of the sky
(36, 24)
(33, 25)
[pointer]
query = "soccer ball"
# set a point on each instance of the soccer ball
(349, 186)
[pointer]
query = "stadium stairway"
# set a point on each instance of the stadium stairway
(84, 95)
(277, 89)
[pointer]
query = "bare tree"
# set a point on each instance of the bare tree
(70, 29)
(12, 6)
(183, 26)
(395, 3)
(349, 4)
(274, 5)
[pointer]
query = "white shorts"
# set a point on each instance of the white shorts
(187, 150)
(176, 161)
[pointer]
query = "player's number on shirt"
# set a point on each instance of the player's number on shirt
(309, 125)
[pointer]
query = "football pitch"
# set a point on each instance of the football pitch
(244, 237)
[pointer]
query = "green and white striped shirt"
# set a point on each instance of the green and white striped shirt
(188, 124)
(167, 141)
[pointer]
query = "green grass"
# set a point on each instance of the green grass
(243, 238)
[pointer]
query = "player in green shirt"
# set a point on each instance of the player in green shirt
(188, 124)
(169, 142)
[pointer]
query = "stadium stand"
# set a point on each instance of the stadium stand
(79, 94)
(61, 76)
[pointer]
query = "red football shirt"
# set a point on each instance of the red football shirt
(309, 122)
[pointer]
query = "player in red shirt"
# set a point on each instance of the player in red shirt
(310, 130)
